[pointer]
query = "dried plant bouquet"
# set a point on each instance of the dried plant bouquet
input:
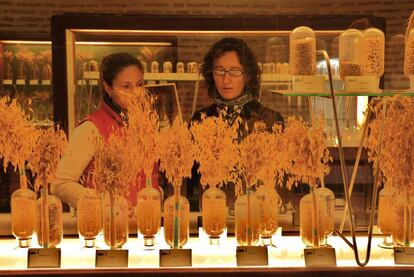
(114, 164)
(307, 150)
(397, 153)
(17, 136)
(115, 169)
(46, 154)
(216, 150)
(308, 161)
(177, 158)
(142, 132)
(394, 128)
(177, 152)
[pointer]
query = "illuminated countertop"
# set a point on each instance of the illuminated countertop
(287, 253)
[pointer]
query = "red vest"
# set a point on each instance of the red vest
(108, 121)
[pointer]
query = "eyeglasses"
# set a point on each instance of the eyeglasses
(233, 72)
(130, 89)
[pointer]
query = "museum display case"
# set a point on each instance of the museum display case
(172, 49)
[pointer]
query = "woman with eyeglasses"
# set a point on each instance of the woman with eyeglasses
(232, 78)
(121, 76)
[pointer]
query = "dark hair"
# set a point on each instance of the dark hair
(112, 64)
(246, 58)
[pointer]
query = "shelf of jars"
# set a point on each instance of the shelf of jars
(286, 252)
(344, 93)
(191, 77)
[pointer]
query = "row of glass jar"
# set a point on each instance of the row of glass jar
(256, 216)
(360, 52)
(27, 71)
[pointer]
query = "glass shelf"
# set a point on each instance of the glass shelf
(343, 93)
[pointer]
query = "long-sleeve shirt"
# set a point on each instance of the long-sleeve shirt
(78, 154)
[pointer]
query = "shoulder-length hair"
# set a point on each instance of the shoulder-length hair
(247, 60)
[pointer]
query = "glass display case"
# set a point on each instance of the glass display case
(26, 74)
(173, 53)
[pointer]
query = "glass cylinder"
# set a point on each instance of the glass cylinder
(149, 213)
(373, 52)
(402, 231)
(269, 210)
(247, 217)
(8, 69)
(167, 67)
(180, 223)
(350, 47)
(23, 212)
(409, 54)
(276, 50)
(302, 51)
(115, 220)
(386, 216)
(46, 72)
(316, 216)
(214, 212)
(21, 69)
(49, 227)
(89, 213)
(34, 72)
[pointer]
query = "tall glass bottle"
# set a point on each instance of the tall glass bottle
(269, 211)
(149, 212)
(214, 212)
(316, 216)
(386, 216)
(49, 227)
(89, 213)
(115, 220)
(350, 47)
(247, 217)
(302, 51)
(176, 220)
(23, 212)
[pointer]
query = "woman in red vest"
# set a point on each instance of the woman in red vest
(121, 75)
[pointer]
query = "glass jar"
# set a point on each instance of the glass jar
(409, 54)
(34, 71)
(46, 72)
(386, 216)
(178, 225)
(23, 213)
(350, 47)
(115, 220)
(167, 67)
(49, 226)
(276, 50)
(373, 52)
(269, 210)
(302, 51)
(247, 219)
(149, 213)
(316, 216)
(89, 214)
(214, 212)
